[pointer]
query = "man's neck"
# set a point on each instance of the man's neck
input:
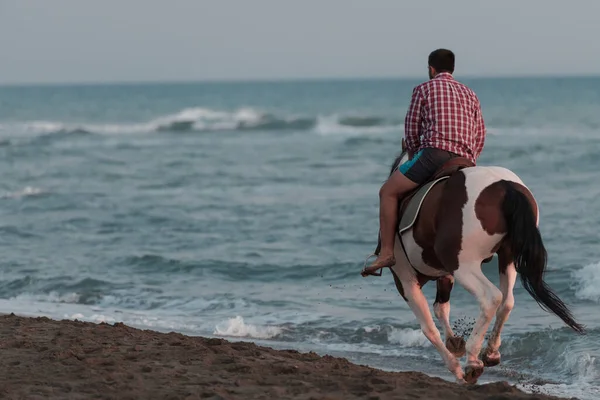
(442, 75)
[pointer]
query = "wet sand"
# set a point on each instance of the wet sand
(44, 358)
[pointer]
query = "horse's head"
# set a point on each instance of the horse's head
(402, 158)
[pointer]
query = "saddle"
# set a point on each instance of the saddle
(410, 204)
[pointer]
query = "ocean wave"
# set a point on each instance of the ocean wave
(149, 264)
(106, 296)
(376, 335)
(52, 297)
(338, 124)
(575, 391)
(408, 337)
(572, 359)
(206, 120)
(199, 119)
(583, 369)
(236, 327)
(27, 191)
(248, 119)
(587, 282)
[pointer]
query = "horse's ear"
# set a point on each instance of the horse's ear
(403, 144)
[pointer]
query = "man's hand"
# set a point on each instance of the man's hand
(410, 153)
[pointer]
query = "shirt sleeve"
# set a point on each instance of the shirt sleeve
(479, 133)
(412, 121)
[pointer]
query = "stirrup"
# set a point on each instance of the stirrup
(365, 266)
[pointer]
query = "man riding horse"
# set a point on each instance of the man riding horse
(460, 216)
(444, 121)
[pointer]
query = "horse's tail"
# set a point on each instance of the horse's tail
(530, 256)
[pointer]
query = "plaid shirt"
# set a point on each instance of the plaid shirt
(445, 114)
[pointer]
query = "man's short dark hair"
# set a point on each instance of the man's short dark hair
(442, 60)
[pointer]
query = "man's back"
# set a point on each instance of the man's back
(443, 121)
(445, 114)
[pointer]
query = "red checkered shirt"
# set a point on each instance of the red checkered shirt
(445, 114)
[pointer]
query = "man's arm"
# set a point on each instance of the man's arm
(412, 121)
(480, 132)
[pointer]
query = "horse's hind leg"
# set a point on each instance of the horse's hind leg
(508, 276)
(469, 275)
(441, 308)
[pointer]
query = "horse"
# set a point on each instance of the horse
(463, 220)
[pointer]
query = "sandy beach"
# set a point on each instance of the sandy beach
(44, 358)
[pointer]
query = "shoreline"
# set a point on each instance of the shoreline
(46, 358)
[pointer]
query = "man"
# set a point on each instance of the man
(443, 121)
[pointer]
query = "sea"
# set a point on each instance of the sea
(246, 210)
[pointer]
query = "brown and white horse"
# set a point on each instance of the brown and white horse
(463, 221)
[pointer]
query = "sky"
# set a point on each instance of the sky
(65, 41)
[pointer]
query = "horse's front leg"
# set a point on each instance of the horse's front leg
(508, 275)
(441, 308)
(410, 290)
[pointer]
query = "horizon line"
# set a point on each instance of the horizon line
(291, 80)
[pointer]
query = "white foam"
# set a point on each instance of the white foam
(408, 338)
(583, 367)
(201, 119)
(205, 119)
(587, 282)
(67, 307)
(137, 320)
(25, 192)
(43, 126)
(370, 329)
(369, 348)
(579, 391)
(46, 127)
(236, 327)
(405, 337)
(330, 125)
(52, 297)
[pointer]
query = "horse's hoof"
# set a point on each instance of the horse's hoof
(490, 359)
(472, 373)
(456, 346)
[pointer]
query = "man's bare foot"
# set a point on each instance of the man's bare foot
(381, 262)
